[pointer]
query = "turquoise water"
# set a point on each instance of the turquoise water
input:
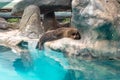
(50, 65)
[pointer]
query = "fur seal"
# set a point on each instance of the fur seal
(58, 34)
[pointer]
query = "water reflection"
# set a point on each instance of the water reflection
(54, 66)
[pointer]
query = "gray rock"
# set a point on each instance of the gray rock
(13, 25)
(96, 19)
(45, 5)
(4, 49)
(30, 24)
(83, 49)
(3, 24)
(118, 0)
(99, 24)
(50, 22)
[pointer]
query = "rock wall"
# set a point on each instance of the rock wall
(96, 19)
(99, 24)
(45, 5)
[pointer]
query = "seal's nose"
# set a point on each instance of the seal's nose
(77, 36)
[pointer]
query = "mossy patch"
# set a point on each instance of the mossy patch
(66, 20)
(11, 20)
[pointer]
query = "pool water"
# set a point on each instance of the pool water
(50, 65)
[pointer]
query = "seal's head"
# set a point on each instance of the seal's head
(72, 33)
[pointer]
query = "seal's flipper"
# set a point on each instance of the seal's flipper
(39, 46)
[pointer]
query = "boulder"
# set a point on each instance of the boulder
(99, 23)
(3, 24)
(30, 24)
(45, 5)
(4, 49)
(50, 22)
(97, 19)
(13, 25)
(94, 13)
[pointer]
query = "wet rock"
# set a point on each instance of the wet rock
(30, 24)
(26, 59)
(4, 49)
(45, 5)
(80, 49)
(69, 46)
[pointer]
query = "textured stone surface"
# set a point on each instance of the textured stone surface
(94, 13)
(98, 22)
(3, 24)
(30, 24)
(81, 49)
(50, 22)
(45, 5)
(97, 19)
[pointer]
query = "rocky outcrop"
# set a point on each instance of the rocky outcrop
(4, 49)
(13, 25)
(30, 24)
(81, 49)
(98, 22)
(3, 24)
(96, 19)
(94, 13)
(50, 22)
(45, 5)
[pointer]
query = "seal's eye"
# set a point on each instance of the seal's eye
(73, 34)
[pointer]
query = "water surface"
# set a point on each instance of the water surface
(50, 65)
